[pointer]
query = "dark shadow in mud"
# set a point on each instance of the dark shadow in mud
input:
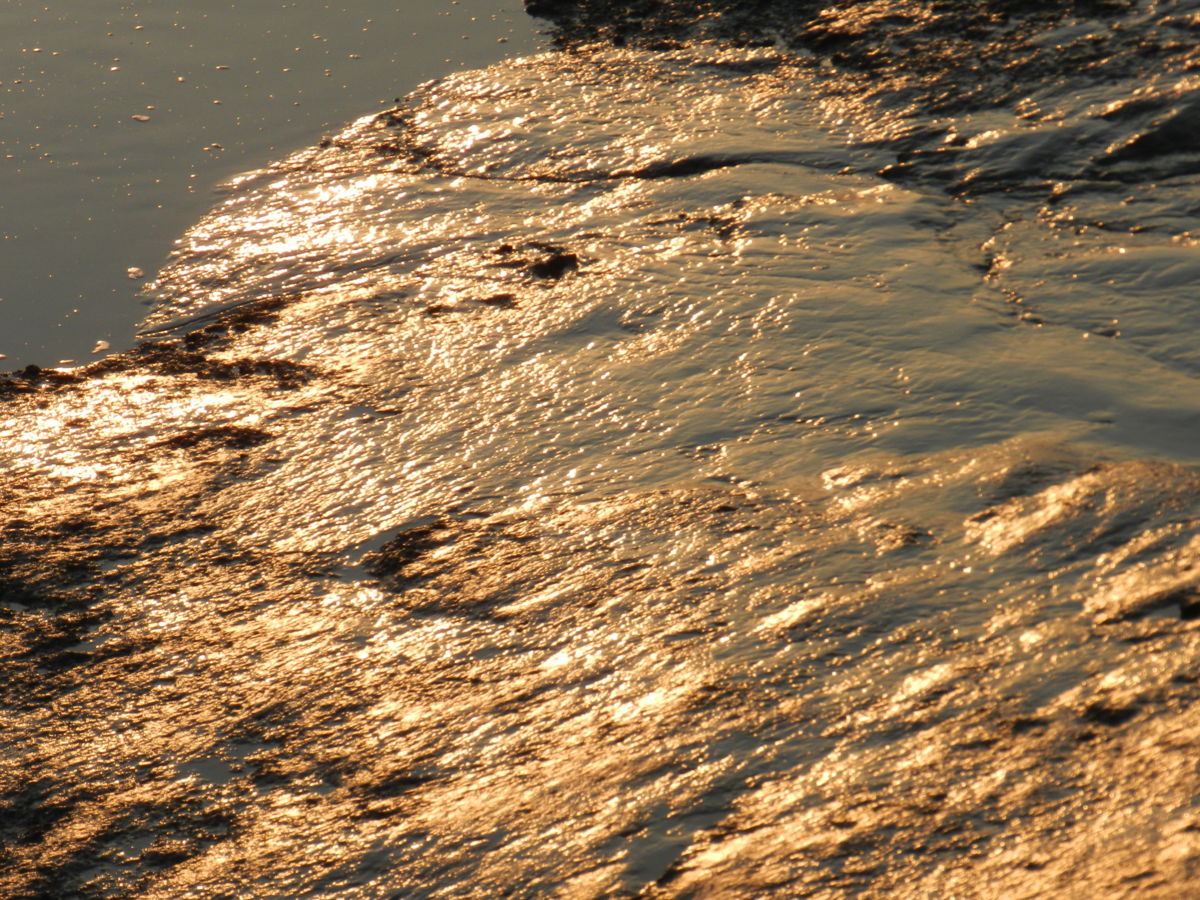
(64, 565)
(468, 551)
(60, 561)
(158, 835)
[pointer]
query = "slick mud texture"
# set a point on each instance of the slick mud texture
(676, 470)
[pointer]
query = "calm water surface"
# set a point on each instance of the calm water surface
(117, 121)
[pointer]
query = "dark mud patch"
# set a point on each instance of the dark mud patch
(237, 320)
(1107, 715)
(187, 355)
(985, 49)
(482, 565)
(43, 555)
(499, 301)
(553, 266)
(234, 436)
(682, 168)
(60, 565)
(163, 358)
(95, 860)
(539, 260)
(396, 560)
(69, 546)
(33, 379)
(468, 561)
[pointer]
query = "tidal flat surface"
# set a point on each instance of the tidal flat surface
(737, 453)
(119, 120)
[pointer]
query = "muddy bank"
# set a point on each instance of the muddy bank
(905, 677)
(636, 471)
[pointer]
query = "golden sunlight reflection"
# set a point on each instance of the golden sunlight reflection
(626, 473)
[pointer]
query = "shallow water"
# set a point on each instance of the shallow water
(689, 468)
(118, 120)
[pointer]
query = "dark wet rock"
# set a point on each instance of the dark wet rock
(501, 301)
(1110, 716)
(547, 262)
(554, 266)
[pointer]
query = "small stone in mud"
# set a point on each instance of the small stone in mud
(34, 379)
(504, 301)
(1111, 716)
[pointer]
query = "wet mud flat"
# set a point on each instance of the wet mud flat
(689, 469)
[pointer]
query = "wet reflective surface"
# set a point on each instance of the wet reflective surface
(685, 471)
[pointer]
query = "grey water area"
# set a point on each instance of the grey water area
(119, 121)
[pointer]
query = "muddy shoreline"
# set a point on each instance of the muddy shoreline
(673, 466)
